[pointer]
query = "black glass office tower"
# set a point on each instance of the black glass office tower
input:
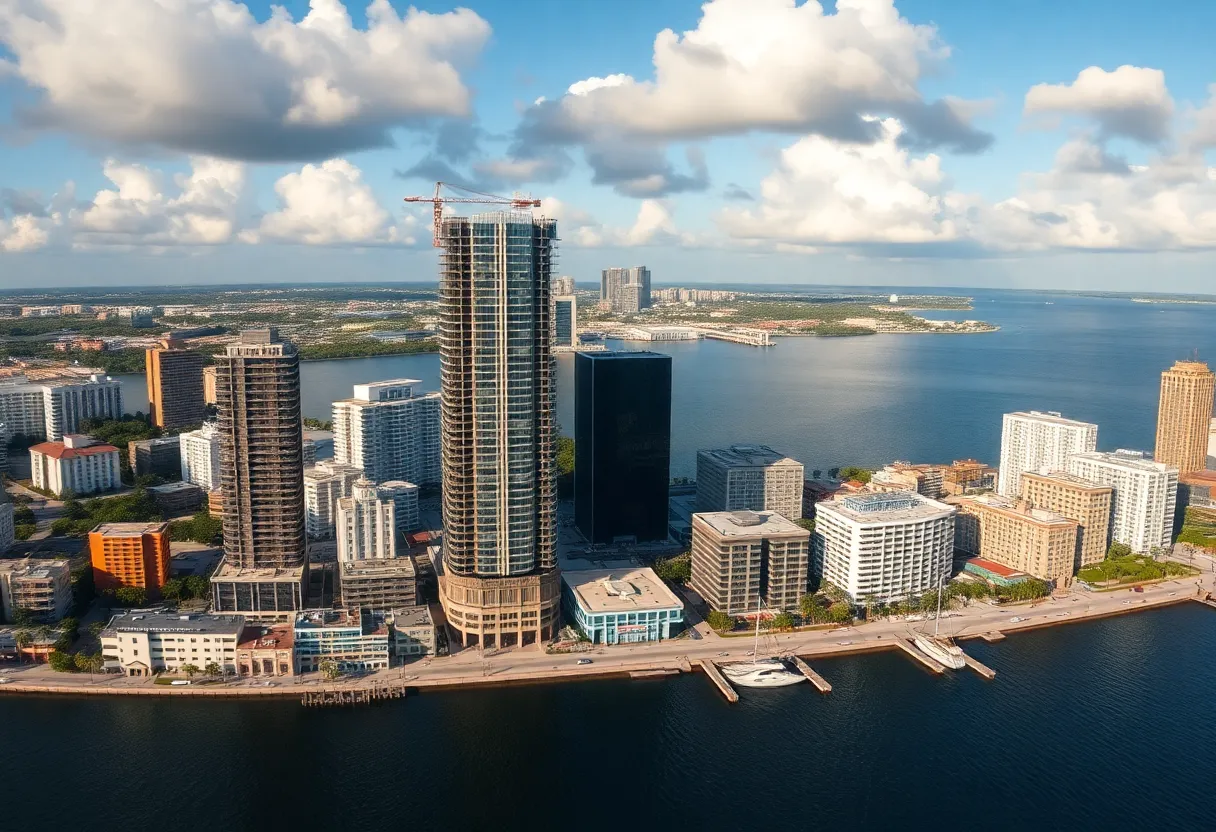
(622, 445)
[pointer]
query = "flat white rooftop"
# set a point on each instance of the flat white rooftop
(888, 507)
(620, 590)
(1050, 417)
(749, 523)
(1134, 460)
(747, 456)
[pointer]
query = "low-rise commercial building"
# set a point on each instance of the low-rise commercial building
(749, 478)
(621, 606)
(1144, 498)
(141, 644)
(354, 640)
(966, 475)
(130, 554)
(883, 547)
(175, 498)
(77, 464)
(42, 588)
(1198, 489)
(266, 650)
(1079, 499)
(261, 592)
(159, 457)
(378, 584)
(993, 573)
(412, 632)
(1011, 533)
(740, 558)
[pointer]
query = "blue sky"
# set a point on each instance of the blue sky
(925, 142)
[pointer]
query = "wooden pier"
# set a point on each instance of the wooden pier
(979, 667)
(928, 662)
(653, 674)
(715, 675)
(820, 683)
(355, 696)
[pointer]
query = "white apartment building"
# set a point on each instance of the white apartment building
(53, 408)
(68, 403)
(324, 484)
(1143, 498)
(200, 451)
(740, 558)
(404, 496)
(884, 547)
(141, 644)
(749, 478)
(390, 432)
(77, 464)
(1035, 441)
(366, 525)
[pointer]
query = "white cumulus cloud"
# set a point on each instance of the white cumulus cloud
(207, 77)
(1131, 101)
(330, 204)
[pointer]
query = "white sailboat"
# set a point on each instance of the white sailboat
(941, 648)
(760, 673)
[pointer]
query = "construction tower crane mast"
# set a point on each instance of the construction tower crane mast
(438, 201)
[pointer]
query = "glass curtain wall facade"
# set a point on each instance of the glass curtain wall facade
(499, 497)
(622, 445)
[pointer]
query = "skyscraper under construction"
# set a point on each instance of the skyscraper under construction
(500, 585)
(262, 477)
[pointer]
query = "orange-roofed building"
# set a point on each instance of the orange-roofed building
(130, 554)
(78, 464)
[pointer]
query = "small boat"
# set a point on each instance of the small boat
(760, 673)
(767, 678)
(941, 648)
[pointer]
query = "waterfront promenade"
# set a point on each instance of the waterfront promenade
(471, 668)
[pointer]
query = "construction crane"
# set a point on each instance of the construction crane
(438, 201)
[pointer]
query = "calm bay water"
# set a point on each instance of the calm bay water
(869, 400)
(1104, 725)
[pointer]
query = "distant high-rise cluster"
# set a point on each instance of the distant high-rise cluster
(692, 295)
(563, 285)
(625, 290)
(1184, 416)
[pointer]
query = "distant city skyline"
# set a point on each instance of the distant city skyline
(287, 145)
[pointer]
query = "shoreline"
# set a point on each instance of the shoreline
(639, 668)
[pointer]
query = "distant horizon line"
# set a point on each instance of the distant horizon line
(761, 288)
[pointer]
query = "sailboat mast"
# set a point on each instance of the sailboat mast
(937, 622)
(756, 646)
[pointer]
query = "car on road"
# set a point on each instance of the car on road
(1172, 594)
(1127, 603)
(1017, 619)
(724, 653)
(844, 643)
(584, 661)
(1138, 589)
(180, 682)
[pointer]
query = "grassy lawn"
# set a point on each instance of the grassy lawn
(1199, 528)
(1131, 569)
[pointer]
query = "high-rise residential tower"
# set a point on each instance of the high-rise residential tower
(622, 445)
(175, 385)
(1035, 441)
(1184, 415)
(261, 477)
(500, 585)
(390, 431)
(1144, 499)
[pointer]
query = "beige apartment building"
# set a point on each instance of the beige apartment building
(1184, 415)
(742, 557)
(1077, 499)
(1011, 533)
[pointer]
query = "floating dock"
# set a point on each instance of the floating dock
(715, 675)
(979, 667)
(355, 696)
(820, 683)
(928, 662)
(653, 674)
(995, 635)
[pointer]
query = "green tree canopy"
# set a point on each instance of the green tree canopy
(720, 621)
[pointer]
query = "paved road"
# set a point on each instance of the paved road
(470, 666)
